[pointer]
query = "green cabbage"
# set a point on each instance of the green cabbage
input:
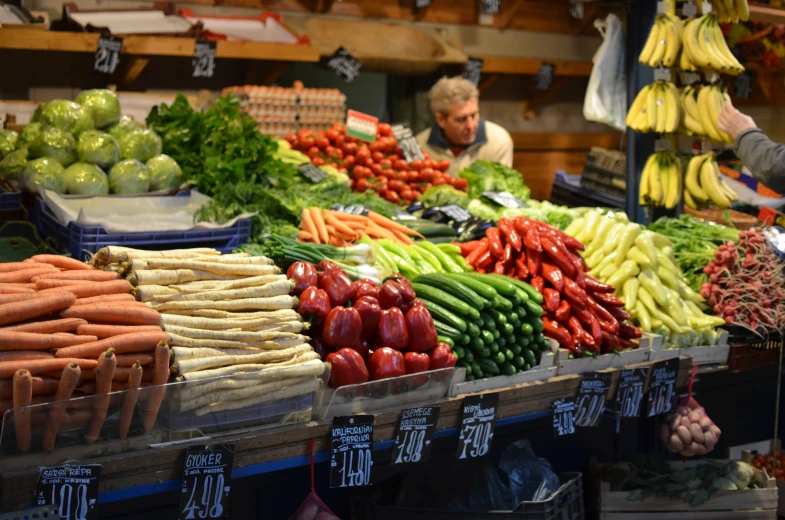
(86, 179)
(12, 164)
(56, 143)
(8, 140)
(444, 195)
(65, 115)
(741, 473)
(98, 148)
(723, 484)
(29, 134)
(141, 145)
(165, 173)
(129, 177)
(46, 173)
(102, 104)
(491, 176)
(125, 125)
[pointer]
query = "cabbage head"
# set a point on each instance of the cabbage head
(55, 143)
(141, 145)
(86, 179)
(13, 164)
(723, 484)
(129, 177)
(125, 125)
(165, 173)
(102, 104)
(65, 115)
(741, 473)
(44, 172)
(29, 134)
(8, 139)
(98, 148)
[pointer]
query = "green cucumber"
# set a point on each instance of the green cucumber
(472, 329)
(477, 285)
(469, 377)
(452, 286)
(529, 356)
(459, 352)
(526, 329)
(508, 329)
(486, 337)
(440, 313)
(545, 347)
(499, 358)
(521, 296)
(516, 349)
(476, 370)
(445, 330)
(446, 340)
(498, 317)
(508, 369)
(501, 283)
(534, 309)
(509, 354)
(517, 362)
(496, 334)
(537, 325)
(530, 291)
(489, 367)
(463, 340)
(446, 300)
(493, 348)
(502, 304)
(501, 341)
(468, 355)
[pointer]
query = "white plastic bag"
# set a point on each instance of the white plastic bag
(606, 95)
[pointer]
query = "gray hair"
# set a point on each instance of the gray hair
(447, 91)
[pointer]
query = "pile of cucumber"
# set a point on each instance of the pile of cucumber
(492, 322)
(419, 258)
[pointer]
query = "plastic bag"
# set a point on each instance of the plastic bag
(530, 478)
(312, 507)
(606, 95)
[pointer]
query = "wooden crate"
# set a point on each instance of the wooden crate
(708, 355)
(603, 361)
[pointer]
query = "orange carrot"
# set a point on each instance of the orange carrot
(23, 355)
(135, 342)
(18, 266)
(48, 327)
(68, 382)
(40, 385)
(160, 377)
(304, 236)
(128, 360)
(23, 396)
(22, 311)
(309, 226)
(391, 224)
(85, 289)
(131, 396)
(348, 216)
(402, 237)
(18, 297)
(104, 298)
(42, 366)
(119, 386)
(16, 288)
(32, 341)
(93, 276)
(61, 261)
(107, 363)
(339, 226)
(98, 313)
(23, 276)
(107, 331)
(318, 221)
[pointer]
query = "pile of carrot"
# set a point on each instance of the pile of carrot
(323, 226)
(68, 330)
(231, 319)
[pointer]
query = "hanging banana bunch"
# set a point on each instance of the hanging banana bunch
(704, 46)
(701, 110)
(661, 181)
(703, 184)
(656, 108)
(664, 42)
(731, 10)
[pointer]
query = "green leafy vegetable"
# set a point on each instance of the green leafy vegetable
(102, 104)
(443, 195)
(490, 176)
(64, 114)
(56, 143)
(86, 179)
(46, 173)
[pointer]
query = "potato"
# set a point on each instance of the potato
(708, 440)
(687, 452)
(682, 410)
(685, 421)
(665, 432)
(675, 444)
(716, 431)
(684, 435)
(698, 449)
(705, 424)
(694, 416)
(701, 412)
(674, 421)
(696, 433)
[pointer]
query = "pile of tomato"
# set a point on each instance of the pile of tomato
(767, 462)
(377, 166)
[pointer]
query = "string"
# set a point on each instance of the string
(692, 378)
(310, 449)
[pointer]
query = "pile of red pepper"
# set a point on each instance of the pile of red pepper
(581, 313)
(364, 331)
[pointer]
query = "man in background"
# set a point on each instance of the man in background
(459, 134)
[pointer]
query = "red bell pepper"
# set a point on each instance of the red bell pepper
(392, 330)
(406, 289)
(365, 287)
(319, 346)
(551, 299)
(620, 314)
(314, 304)
(624, 344)
(495, 243)
(553, 274)
(553, 330)
(420, 327)
(364, 349)
(390, 295)
(342, 327)
(563, 312)
(608, 300)
(442, 356)
(508, 230)
(594, 286)
(338, 287)
(564, 262)
(370, 314)
(326, 268)
(386, 362)
(348, 368)
(538, 283)
(628, 331)
(304, 275)
(416, 362)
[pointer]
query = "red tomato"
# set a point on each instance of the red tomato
(331, 134)
(395, 157)
(322, 142)
(439, 181)
(329, 150)
(292, 140)
(392, 197)
(412, 176)
(416, 165)
(362, 185)
(427, 175)
(389, 174)
(304, 133)
(408, 195)
(400, 164)
(339, 141)
(348, 161)
(348, 148)
(427, 163)
(313, 152)
(376, 146)
(376, 169)
(318, 161)
(426, 155)
(461, 184)
(443, 165)
(384, 129)
(337, 154)
(385, 164)
(397, 185)
(377, 156)
(400, 176)
(307, 142)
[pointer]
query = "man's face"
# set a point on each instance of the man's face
(460, 125)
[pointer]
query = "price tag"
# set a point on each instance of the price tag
(456, 213)
(706, 147)
(706, 7)
(505, 199)
(689, 9)
(477, 424)
(207, 479)
(107, 56)
(630, 392)
(72, 489)
(473, 70)
(352, 209)
(421, 4)
(662, 388)
(743, 86)
(662, 145)
(491, 6)
(688, 78)
(590, 401)
(415, 433)
(204, 59)
(351, 451)
(344, 65)
(662, 7)
(362, 126)
(544, 77)
(662, 74)
(564, 417)
(576, 9)
(407, 142)
(312, 172)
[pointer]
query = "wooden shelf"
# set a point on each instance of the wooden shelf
(766, 13)
(40, 40)
(505, 65)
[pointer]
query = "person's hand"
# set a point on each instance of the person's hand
(733, 122)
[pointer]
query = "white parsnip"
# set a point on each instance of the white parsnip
(196, 322)
(278, 288)
(223, 285)
(287, 326)
(213, 267)
(235, 394)
(186, 366)
(246, 336)
(238, 258)
(113, 254)
(148, 293)
(283, 340)
(273, 303)
(175, 276)
(269, 394)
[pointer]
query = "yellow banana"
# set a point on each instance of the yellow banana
(664, 174)
(673, 41)
(661, 121)
(691, 44)
(691, 117)
(651, 42)
(691, 180)
(732, 196)
(662, 40)
(655, 181)
(717, 100)
(641, 123)
(651, 107)
(684, 61)
(717, 39)
(710, 183)
(716, 61)
(673, 195)
(637, 106)
(643, 186)
(743, 10)
(688, 200)
(672, 107)
(705, 114)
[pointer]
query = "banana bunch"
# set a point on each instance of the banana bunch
(703, 184)
(661, 182)
(705, 47)
(656, 108)
(731, 10)
(662, 46)
(702, 107)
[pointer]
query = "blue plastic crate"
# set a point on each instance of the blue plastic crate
(83, 241)
(10, 205)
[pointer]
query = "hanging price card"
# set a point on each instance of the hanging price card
(477, 424)
(491, 6)
(564, 417)
(207, 479)
(576, 9)
(351, 451)
(107, 56)
(72, 489)
(662, 74)
(743, 86)
(506, 199)
(407, 142)
(362, 126)
(662, 388)
(312, 172)
(420, 4)
(630, 392)
(456, 213)
(689, 9)
(591, 398)
(544, 77)
(415, 433)
(352, 209)
(344, 65)
(204, 59)
(473, 70)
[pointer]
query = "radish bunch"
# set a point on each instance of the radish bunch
(688, 431)
(746, 285)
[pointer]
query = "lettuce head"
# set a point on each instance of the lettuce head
(125, 125)
(13, 164)
(98, 148)
(141, 145)
(65, 115)
(129, 177)
(45, 173)
(165, 173)
(86, 179)
(102, 104)
(56, 143)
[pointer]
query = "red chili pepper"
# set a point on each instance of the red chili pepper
(608, 300)
(531, 240)
(566, 239)
(591, 324)
(485, 261)
(620, 314)
(584, 338)
(507, 254)
(538, 283)
(342, 327)
(624, 344)
(553, 274)
(520, 267)
(392, 330)
(563, 312)
(386, 362)
(365, 287)
(495, 242)
(563, 261)
(348, 368)
(442, 357)
(304, 275)
(416, 362)
(609, 342)
(370, 314)
(552, 329)
(601, 313)
(551, 299)
(533, 261)
(326, 268)
(629, 331)
(421, 329)
(467, 247)
(594, 286)
(499, 268)
(474, 257)
(580, 278)
(338, 287)
(574, 293)
(576, 260)
(314, 303)
(512, 236)
(610, 326)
